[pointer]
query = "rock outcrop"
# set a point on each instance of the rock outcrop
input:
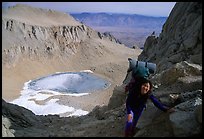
(177, 83)
(178, 55)
(42, 37)
(180, 39)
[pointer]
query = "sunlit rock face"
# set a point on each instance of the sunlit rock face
(178, 82)
(180, 39)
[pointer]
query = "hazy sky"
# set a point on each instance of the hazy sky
(143, 8)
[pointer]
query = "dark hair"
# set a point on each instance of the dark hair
(136, 87)
(139, 81)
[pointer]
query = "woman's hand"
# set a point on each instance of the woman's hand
(170, 110)
(129, 118)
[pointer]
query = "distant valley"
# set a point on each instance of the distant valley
(130, 29)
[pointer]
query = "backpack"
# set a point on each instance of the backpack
(139, 69)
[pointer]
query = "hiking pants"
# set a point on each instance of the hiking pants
(131, 124)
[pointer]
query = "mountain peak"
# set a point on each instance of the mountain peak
(38, 16)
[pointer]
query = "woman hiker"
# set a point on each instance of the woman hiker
(139, 92)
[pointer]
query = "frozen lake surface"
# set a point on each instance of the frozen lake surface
(67, 83)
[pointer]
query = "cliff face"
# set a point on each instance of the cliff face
(180, 39)
(177, 83)
(44, 36)
(178, 55)
(32, 40)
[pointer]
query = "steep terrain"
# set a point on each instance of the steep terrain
(177, 82)
(33, 46)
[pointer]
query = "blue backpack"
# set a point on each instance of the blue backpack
(140, 68)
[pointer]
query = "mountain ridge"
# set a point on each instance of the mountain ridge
(116, 19)
(177, 82)
(129, 29)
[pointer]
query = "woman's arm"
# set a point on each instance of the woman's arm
(158, 104)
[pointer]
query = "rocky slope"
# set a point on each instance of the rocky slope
(177, 83)
(178, 55)
(180, 39)
(35, 41)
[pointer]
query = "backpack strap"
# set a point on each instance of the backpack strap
(146, 64)
(137, 64)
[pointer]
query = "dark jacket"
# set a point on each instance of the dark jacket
(136, 101)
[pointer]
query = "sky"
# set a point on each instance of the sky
(83, 82)
(158, 9)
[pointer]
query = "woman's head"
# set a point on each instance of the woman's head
(145, 88)
(144, 85)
